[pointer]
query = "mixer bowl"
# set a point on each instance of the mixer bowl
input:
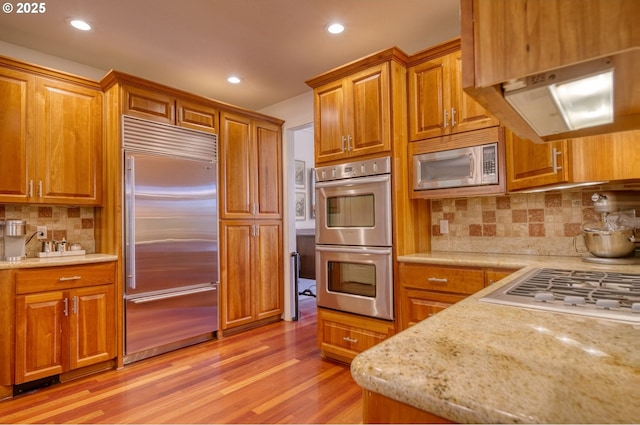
(609, 243)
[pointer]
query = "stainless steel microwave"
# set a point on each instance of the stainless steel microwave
(462, 167)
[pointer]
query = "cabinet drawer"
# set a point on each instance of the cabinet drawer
(342, 335)
(355, 339)
(63, 277)
(445, 279)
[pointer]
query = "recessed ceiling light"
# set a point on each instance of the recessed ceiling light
(335, 28)
(234, 80)
(79, 24)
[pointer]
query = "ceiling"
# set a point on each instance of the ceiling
(194, 45)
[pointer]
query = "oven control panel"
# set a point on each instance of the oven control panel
(369, 167)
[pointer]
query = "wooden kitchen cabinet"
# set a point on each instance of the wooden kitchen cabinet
(65, 319)
(609, 157)
(437, 104)
(250, 157)
(359, 108)
(52, 137)
(510, 39)
(341, 336)
(161, 106)
(427, 289)
(251, 266)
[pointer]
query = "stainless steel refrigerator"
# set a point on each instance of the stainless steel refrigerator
(171, 250)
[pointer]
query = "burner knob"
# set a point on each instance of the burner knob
(607, 304)
(574, 300)
(543, 297)
(635, 308)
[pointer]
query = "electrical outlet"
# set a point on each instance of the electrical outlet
(42, 232)
(444, 227)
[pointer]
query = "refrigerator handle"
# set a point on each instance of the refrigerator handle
(131, 218)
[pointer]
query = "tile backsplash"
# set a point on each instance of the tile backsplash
(75, 224)
(543, 223)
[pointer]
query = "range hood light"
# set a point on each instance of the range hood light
(586, 102)
(564, 99)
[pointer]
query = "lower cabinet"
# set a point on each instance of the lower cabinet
(251, 278)
(427, 289)
(341, 336)
(65, 319)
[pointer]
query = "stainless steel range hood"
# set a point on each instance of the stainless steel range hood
(567, 99)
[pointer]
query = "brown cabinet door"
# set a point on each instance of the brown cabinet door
(429, 99)
(236, 171)
(236, 273)
(68, 144)
(197, 117)
(268, 170)
(368, 111)
(268, 268)
(329, 128)
(532, 165)
(418, 305)
(150, 105)
(92, 333)
(41, 346)
(467, 113)
(16, 104)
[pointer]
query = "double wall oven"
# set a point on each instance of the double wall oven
(354, 267)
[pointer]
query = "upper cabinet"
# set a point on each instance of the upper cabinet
(51, 131)
(504, 40)
(437, 104)
(163, 107)
(610, 157)
(250, 157)
(352, 108)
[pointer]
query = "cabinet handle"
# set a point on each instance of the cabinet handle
(30, 190)
(446, 119)
(343, 140)
(40, 188)
(453, 117)
(352, 340)
(257, 230)
(554, 160)
(66, 306)
(349, 139)
(64, 279)
(438, 279)
(74, 308)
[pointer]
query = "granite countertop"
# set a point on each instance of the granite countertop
(476, 362)
(57, 261)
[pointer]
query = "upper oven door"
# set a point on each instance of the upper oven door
(354, 211)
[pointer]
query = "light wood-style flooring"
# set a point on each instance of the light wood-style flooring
(273, 374)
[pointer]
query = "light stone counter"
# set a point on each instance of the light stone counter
(58, 261)
(477, 362)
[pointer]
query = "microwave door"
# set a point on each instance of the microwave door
(440, 170)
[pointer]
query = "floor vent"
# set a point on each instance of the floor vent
(28, 387)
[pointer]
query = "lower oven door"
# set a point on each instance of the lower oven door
(355, 280)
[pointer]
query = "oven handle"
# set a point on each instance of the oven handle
(357, 180)
(354, 250)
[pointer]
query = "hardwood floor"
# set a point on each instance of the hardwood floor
(273, 374)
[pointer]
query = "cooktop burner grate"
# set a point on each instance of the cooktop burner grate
(594, 293)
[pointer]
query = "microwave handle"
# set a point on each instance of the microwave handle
(472, 165)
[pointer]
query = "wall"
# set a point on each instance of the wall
(303, 147)
(75, 224)
(543, 223)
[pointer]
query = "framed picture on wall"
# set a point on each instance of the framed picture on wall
(299, 174)
(301, 205)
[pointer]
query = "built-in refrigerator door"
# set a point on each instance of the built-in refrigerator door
(171, 223)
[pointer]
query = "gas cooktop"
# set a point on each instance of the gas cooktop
(609, 295)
